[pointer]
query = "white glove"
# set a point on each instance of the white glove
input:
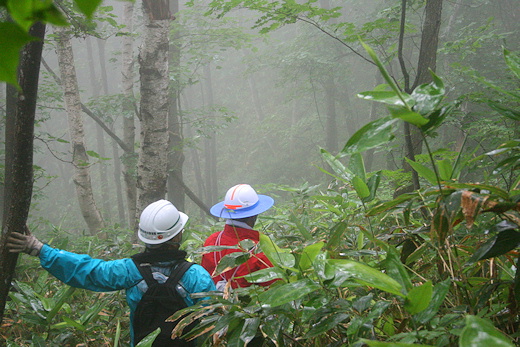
(29, 244)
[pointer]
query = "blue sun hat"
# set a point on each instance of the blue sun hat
(241, 201)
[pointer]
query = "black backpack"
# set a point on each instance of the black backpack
(158, 303)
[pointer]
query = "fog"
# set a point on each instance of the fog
(264, 104)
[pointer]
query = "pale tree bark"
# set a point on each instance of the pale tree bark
(129, 158)
(80, 159)
(100, 135)
(152, 165)
(176, 191)
(20, 115)
(117, 172)
(210, 144)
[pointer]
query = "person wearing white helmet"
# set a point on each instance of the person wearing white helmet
(240, 209)
(160, 228)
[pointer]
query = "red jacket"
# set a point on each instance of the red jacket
(230, 236)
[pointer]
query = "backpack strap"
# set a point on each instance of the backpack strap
(146, 271)
(178, 272)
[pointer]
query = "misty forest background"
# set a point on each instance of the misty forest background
(280, 95)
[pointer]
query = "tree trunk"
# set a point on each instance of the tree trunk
(176, 191)
(152, 166)
(20, 115)
(331, 125)
(100, 136)
(80, 159)
(129, 158)
(427, 61)
(210, 143)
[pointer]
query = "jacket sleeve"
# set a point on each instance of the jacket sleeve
(197, 280)
(82, 271)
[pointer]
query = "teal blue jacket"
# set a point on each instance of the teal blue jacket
(82, 271)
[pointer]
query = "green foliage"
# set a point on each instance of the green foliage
(24, 13)
(49, 313)
(413, 270)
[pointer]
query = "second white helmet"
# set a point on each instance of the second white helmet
(160, 221)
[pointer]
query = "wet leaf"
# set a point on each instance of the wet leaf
(370, 135)
(326, 323)
(283, 294)
(365, 275)
(499, 244)
(481, 332)
(419, 298)
(310, 253)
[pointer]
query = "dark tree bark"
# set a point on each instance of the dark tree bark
(21, 109)
(427, 61)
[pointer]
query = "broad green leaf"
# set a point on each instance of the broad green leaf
(384, 73)
(230, 261)
(395, 268)
(88, 7)
(361, 187)
(366, 275)
(423, 171)
(356, 164)
(12, 40)
(326, 323)
(481, 332)
(419, 298)
(499, 244)
(439, 294)
(275, 254)
(337, 166)
(370, 135)
(149, 339)
(71, 323)
(308, 255)
(28, 12)
(336, 235)
(62, 299)
(445, 169)
(279, 295)
(266, 275)
(428, 96)
(387, 97)
(407, 115)
(249, 329)
(373, 184)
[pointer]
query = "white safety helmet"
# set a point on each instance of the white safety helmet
(160, 221)
(242, 201)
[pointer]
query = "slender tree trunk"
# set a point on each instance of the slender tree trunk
(211, 143)
(427, 61)
(80, 159)
(129, 158)
(152, 166)
(100, 139)
(20, 115)
(331, 125)
(105, 192)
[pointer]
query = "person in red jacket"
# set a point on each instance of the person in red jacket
(240, 208)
